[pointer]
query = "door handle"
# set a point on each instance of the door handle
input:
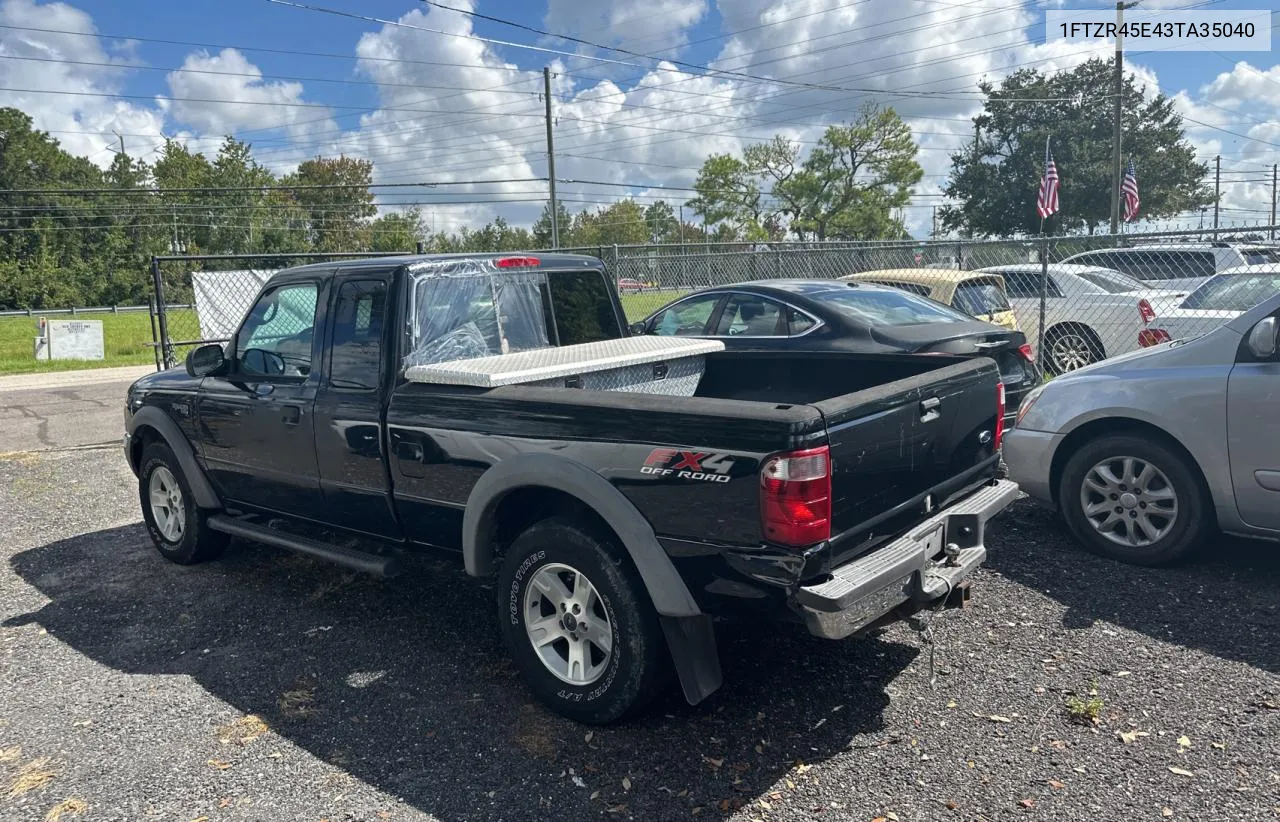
(264, 389)
(409, 451)
(292, 414)
(929, 409)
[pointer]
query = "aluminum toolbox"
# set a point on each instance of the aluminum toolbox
(645, 364)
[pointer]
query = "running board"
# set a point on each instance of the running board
(358, 560)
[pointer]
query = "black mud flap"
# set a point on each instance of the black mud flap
(692, 640)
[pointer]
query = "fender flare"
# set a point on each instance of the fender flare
(152, 417)
(689, 632)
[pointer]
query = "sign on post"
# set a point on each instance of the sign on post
(69, 340)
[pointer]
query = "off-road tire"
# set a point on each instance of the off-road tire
(638, 667)
(197, 542)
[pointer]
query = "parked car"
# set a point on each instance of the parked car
(1090, 313)
(1150, 452)
(617, 491)
(977, 294)
(630, 285)
(837, 315)
(1223, 297)
(1177, 266)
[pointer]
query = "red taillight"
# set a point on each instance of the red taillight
(999, 416)
(1148, 337)
(1146, 312)
(1025, 351)
(795, 497)
(517, 262)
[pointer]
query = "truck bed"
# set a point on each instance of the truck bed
(886, 448)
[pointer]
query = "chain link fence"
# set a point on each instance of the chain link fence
(1077, 299)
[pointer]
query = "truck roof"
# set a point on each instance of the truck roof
(545, 261)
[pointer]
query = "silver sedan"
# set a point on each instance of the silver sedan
(1148, 453)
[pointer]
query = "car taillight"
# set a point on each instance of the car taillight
(1025, 351)
(1145, 311)
(795, 497)
(1148, 337)
(517, 262)
(999, 416)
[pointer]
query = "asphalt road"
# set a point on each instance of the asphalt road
(64, 409)
(265, 686)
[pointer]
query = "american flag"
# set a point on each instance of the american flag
(1047, 202)
(1129, 191)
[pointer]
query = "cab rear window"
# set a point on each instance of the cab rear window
(980, 297)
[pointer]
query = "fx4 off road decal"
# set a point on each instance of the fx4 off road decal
(703, 466)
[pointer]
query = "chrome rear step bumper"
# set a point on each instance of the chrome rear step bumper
(922, 567)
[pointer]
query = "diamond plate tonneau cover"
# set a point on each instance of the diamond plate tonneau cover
(546, 364)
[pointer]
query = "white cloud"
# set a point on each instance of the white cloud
(656, 26)
(74, 113)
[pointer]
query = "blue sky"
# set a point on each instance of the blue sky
(477, 116)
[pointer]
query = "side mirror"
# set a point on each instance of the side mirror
(636, 328)
(205, 360)
(1262, 339)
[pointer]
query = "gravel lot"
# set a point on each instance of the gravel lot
(269, 687)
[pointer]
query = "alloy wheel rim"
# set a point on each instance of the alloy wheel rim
(1129, 501)
(165, 497)
(567, 624)
(1071, 352)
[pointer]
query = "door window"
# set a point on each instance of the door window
(798, 323)
(1026, 284)
(355, 357)
(980, 298)
(686, 319)
(746, 315)
(275, 340)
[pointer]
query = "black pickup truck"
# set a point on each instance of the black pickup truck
(841, 491)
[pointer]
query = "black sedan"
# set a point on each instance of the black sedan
(832, 315)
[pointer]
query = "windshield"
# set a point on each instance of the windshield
(883, 306)
(1233, 292)
(980, 298)
(1256, 256)
(1112, 282)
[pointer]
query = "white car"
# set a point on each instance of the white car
(1177, 266)
(1090, 314)
(1221, 299)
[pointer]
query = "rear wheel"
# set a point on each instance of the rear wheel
(175, 523)
(1132, 498)
(1070, 347)
(578, 623)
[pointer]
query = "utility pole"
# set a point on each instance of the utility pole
(933, 232)
(977, 136)
(1274, 168)
(1117, 108)
(1217, 192)
(551, 159)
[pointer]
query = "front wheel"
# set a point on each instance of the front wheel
(176, 524)
(578, 623)
(1132, 498)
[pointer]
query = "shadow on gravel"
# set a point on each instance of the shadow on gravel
(1222, 602)
(405, 684)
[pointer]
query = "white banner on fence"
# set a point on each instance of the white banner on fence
(223, 298)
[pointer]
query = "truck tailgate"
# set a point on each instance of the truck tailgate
(895, 442)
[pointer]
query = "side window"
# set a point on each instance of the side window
(914, 288)
(746, 315)
(798, 323)
(1102, 259)
(355, 357)
(1026, 285)
(686, 319)
(582, 306)
(275, 340)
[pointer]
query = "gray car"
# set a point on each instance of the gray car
(1148, 453)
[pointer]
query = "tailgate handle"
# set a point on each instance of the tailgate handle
(929, 409)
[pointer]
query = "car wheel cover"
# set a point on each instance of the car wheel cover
(1070, 351)
(1129, 501)
(567, 624)
(167, 509)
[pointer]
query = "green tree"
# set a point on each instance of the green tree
(621, 223)
(564, 226)
(339, 214)
(662, 222)
(996, 183)
(850, 186)
(397, 231)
